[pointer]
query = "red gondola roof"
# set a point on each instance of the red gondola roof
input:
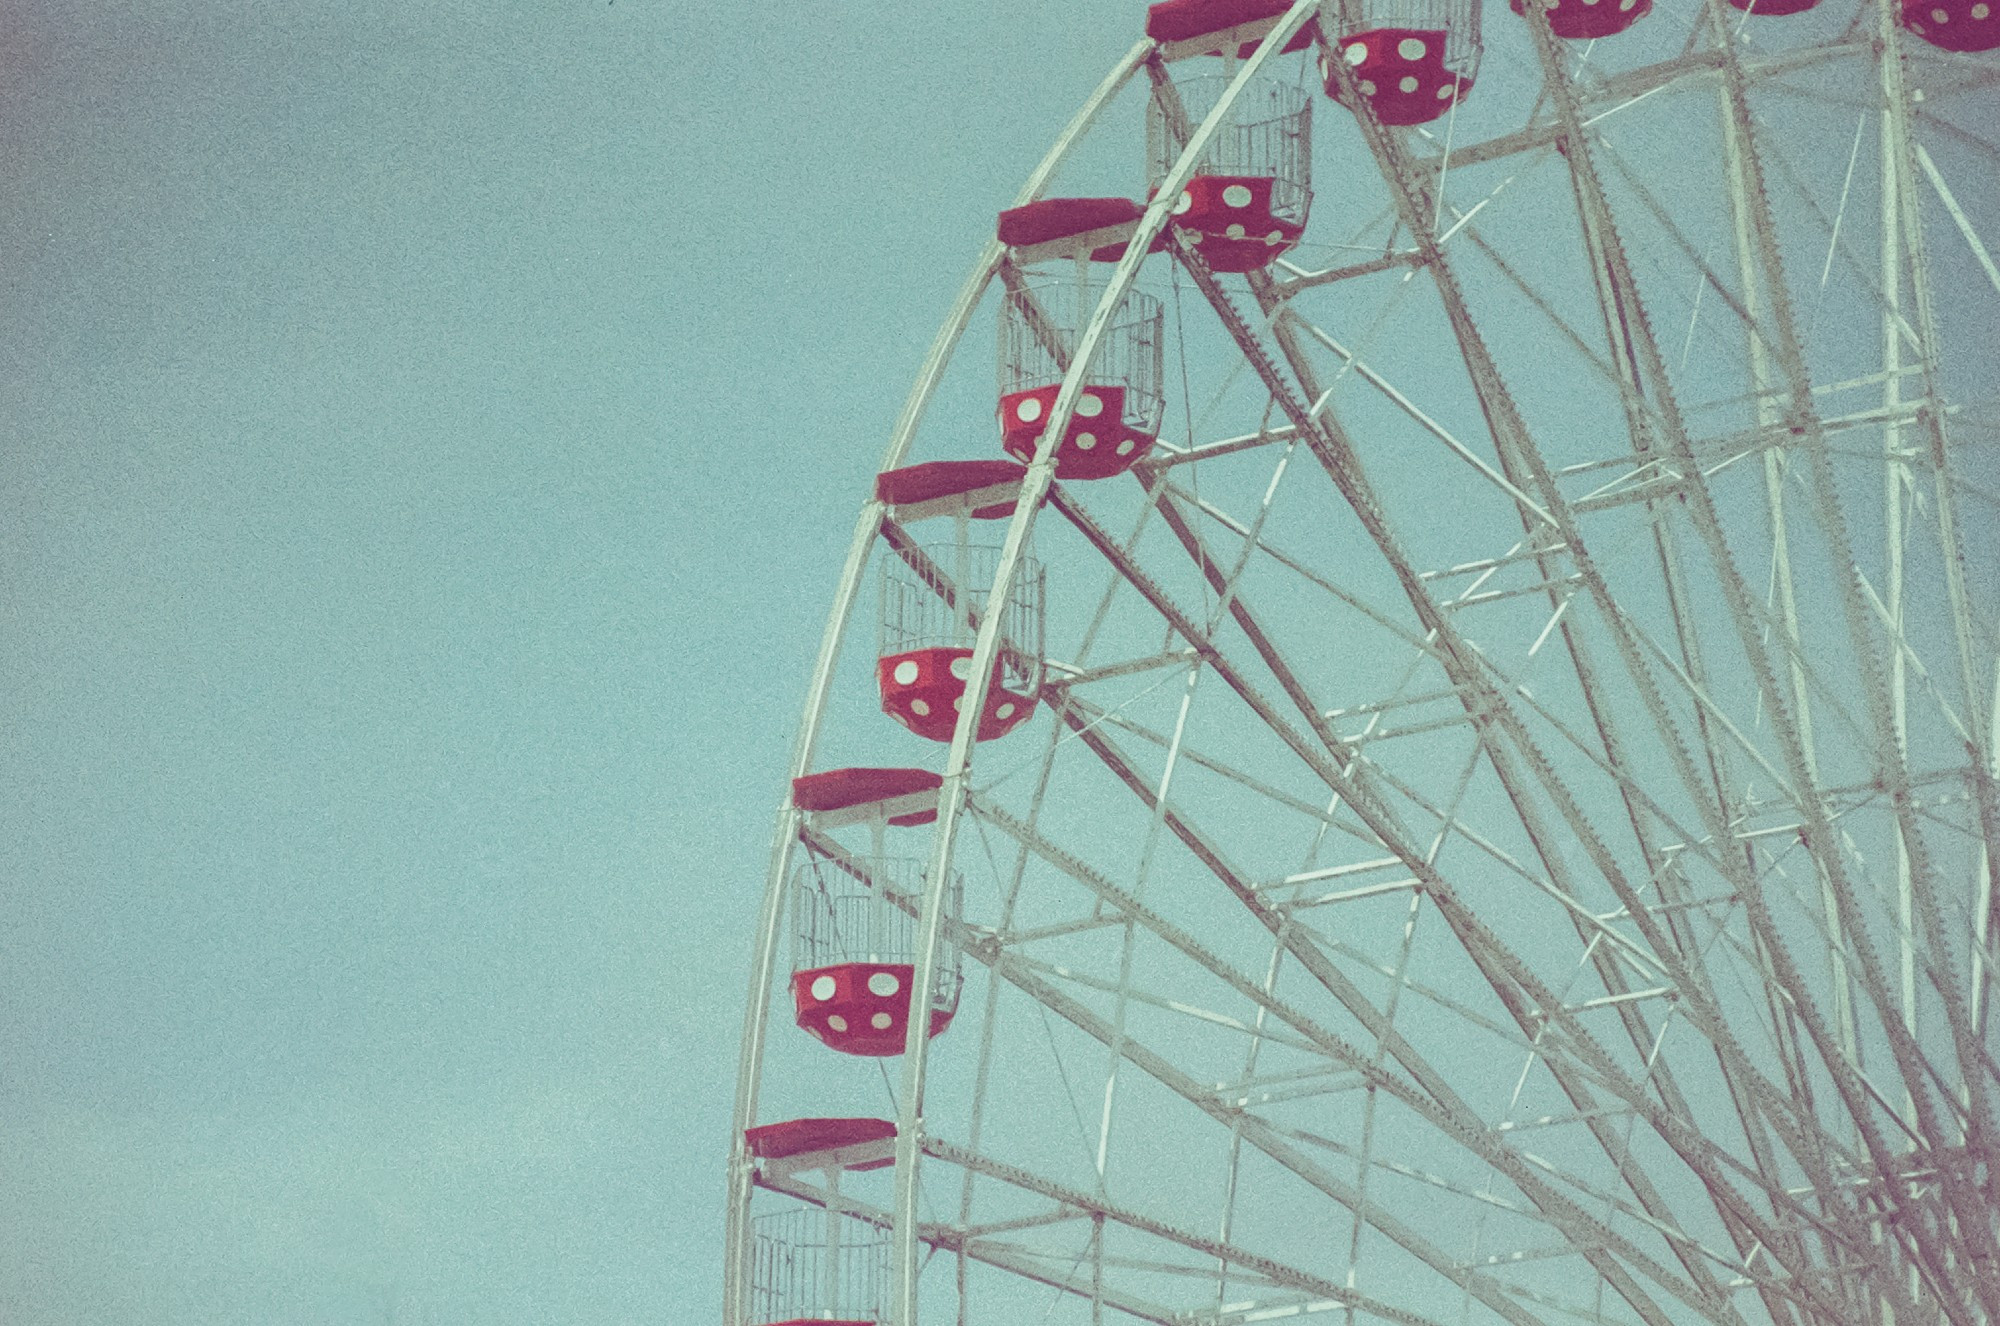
(795, 1137)
(948, 478)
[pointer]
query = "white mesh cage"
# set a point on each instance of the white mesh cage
(1038, 328)
(1269, 136)
(934, 597)
(809, 1264)
(863, 909)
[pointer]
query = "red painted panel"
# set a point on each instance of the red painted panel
(836, 789)
(921, 689)
(1181, 20)
(794, 1137)
(1053, 218)
(1580, 20)
(1402, 72)
(946, 478)
(1096, 445)
(1184, 20)
(1774, 8)
(859, 1007)
(1232, 217)
(1953, 25)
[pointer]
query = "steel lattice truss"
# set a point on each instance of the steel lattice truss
(1513, 837)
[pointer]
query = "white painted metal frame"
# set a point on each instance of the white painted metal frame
(1839, 1162)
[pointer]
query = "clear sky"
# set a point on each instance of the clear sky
(431, 430)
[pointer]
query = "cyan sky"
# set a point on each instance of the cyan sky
(430, 433)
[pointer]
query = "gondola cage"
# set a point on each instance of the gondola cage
(817, 1268)
(933, 600)
(854, 938)
(1118, 414)
(1588, 20)
(1412, 59)
(1248, 200)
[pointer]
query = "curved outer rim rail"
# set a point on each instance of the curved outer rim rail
(756, 1018)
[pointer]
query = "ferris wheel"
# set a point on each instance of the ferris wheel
(1429, 749)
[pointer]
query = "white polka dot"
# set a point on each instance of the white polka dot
(822, 987)
(1125, 447)
(1089, 406)
(1981, 11)
(1275, 237)
(1626, 6)
(1005, 711)
(1085, 441)
(1357, 53)
(1029, 410)
(837, 1022)
(906, 672)
(1236, 196)
(1590, 2)
(1409, 84)
(957, 703)
(880, 1021)
(919, 708)
(1412, 48)
(1444, 93)
(1939, 16)
(1234, 232)
(961, 667)
(884, 983)
(1186, 201)
(1367, 88)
